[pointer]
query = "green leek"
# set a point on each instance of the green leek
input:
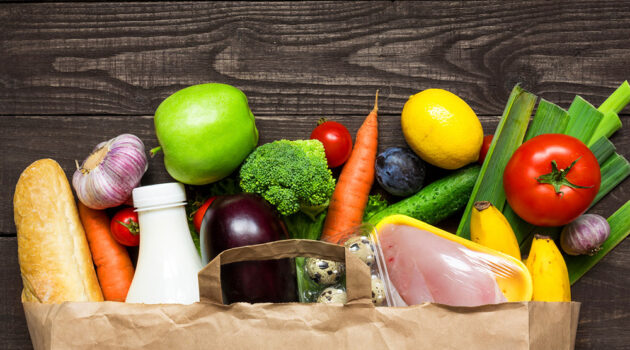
(613, 105)
(614, 171)
(602, 149)
(583, 119)
(549, 119)
(507, 137)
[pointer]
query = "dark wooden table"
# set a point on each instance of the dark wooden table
(75, 74)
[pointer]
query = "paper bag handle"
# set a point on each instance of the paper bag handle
(358, 279)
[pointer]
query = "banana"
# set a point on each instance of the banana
(549, 273)
(490, 228)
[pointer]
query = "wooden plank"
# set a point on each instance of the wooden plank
(605, 311)
(14, 333)
(307, 57)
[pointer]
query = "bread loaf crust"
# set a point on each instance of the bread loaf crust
(55, 260)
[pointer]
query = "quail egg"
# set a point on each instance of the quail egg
(324, 272)
(378, 291)
(332, 295)
(362, 248)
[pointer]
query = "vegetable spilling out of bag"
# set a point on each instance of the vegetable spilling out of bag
(585, 235)
(436, 201)
(285, 189)
(351, 193)
(619, 230)
(107, 177)
(291, 175)
(551, 179)
(113, 265)
(590, 126)
(240, 220)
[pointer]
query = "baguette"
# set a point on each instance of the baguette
(55, 260)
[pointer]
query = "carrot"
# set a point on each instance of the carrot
(113, 265)
(355, 181)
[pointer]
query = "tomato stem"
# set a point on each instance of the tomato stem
(558, 178)
(132, 226)
(321, 121)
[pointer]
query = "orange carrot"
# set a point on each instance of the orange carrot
(113, 265)
(355, 181)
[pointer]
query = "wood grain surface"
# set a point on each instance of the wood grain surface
(75, 74)
(306, 58)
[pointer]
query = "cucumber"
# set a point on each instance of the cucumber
(436, 201)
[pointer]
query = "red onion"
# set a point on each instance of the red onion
(585, 235)
(107, 177)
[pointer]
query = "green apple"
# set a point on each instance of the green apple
(205, 132)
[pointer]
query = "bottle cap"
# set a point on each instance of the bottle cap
(172, 193)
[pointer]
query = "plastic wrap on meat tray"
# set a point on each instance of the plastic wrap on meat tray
(426, 264)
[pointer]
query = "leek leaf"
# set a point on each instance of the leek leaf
(549, 119)
(507, 137)
(583, 120)
(613, 105)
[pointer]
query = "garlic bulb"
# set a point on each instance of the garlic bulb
(585, 235)
(109, 174)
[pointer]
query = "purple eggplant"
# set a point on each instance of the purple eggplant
(246, 219)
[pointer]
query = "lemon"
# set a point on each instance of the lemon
(442, 129)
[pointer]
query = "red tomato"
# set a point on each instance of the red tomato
(487, 140)
(198, 217)
(551, 179)
(124, 227)
(337, 142)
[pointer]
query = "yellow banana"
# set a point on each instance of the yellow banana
(550, 277)
(490, 228)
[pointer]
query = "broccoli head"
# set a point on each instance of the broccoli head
(291, 175)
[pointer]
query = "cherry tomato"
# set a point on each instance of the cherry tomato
(487, 140)
(551, 179)
(337, 142)
(124, 227)
(198, 217)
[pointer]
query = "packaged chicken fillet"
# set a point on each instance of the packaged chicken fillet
(426, 264)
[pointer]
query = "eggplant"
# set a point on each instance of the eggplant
(240, 220)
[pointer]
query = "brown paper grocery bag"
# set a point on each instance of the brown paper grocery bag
(356, 325)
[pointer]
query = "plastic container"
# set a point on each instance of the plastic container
(324, 281)
(427, 264)
(168, 261)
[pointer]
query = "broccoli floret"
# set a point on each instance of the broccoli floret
(291, 175)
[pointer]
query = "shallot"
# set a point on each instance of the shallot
(109, 174)
(585, 235)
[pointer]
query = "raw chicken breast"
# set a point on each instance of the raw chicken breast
(424, 267)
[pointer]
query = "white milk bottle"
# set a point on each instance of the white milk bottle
(168, 261)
